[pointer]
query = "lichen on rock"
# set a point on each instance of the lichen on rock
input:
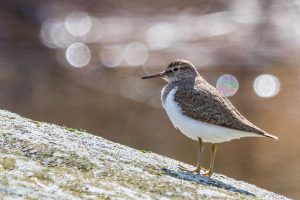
(45, 161)
(7, 164)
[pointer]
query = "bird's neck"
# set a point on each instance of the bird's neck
(184, 84)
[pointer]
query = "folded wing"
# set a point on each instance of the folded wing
(214, 108)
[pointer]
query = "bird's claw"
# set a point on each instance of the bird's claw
(207, 173)
(196, 170)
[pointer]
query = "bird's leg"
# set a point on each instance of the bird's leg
(212, 161)
(198, 168)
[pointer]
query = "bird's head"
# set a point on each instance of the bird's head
(176, 71)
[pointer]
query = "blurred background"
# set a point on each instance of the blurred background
(79, 63)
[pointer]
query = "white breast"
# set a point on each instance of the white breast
(196, 129)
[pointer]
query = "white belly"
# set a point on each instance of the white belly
(196, 129)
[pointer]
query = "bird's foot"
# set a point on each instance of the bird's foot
(207, 173)
(196, 170)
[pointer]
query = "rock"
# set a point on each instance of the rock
(44, 161)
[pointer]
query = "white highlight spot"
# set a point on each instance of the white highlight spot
(266, 85)
(227, 84)
(78, 54)
(78, 23)
(160, 35)
(53, 34)
(135, 54)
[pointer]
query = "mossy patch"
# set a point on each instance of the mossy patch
(37, 123)
(74, 130)
(43, 176)
(4, 181)
(76, 188)
(50, 156)
(81, 163)
(144, 151)
(7, 164)
(70, 129)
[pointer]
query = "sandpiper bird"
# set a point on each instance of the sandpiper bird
(200, 111)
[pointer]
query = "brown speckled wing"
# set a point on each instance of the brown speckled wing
(201, 101)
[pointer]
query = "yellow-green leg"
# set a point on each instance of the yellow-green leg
(212, 161)
(200, 153)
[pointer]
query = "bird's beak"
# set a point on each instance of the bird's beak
(160, 74)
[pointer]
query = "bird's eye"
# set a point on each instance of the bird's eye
(175, 69)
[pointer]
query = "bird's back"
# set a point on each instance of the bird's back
(201, 101)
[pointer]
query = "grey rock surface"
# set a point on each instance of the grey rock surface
(45, 161)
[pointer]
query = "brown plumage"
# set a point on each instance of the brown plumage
(201, 101)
